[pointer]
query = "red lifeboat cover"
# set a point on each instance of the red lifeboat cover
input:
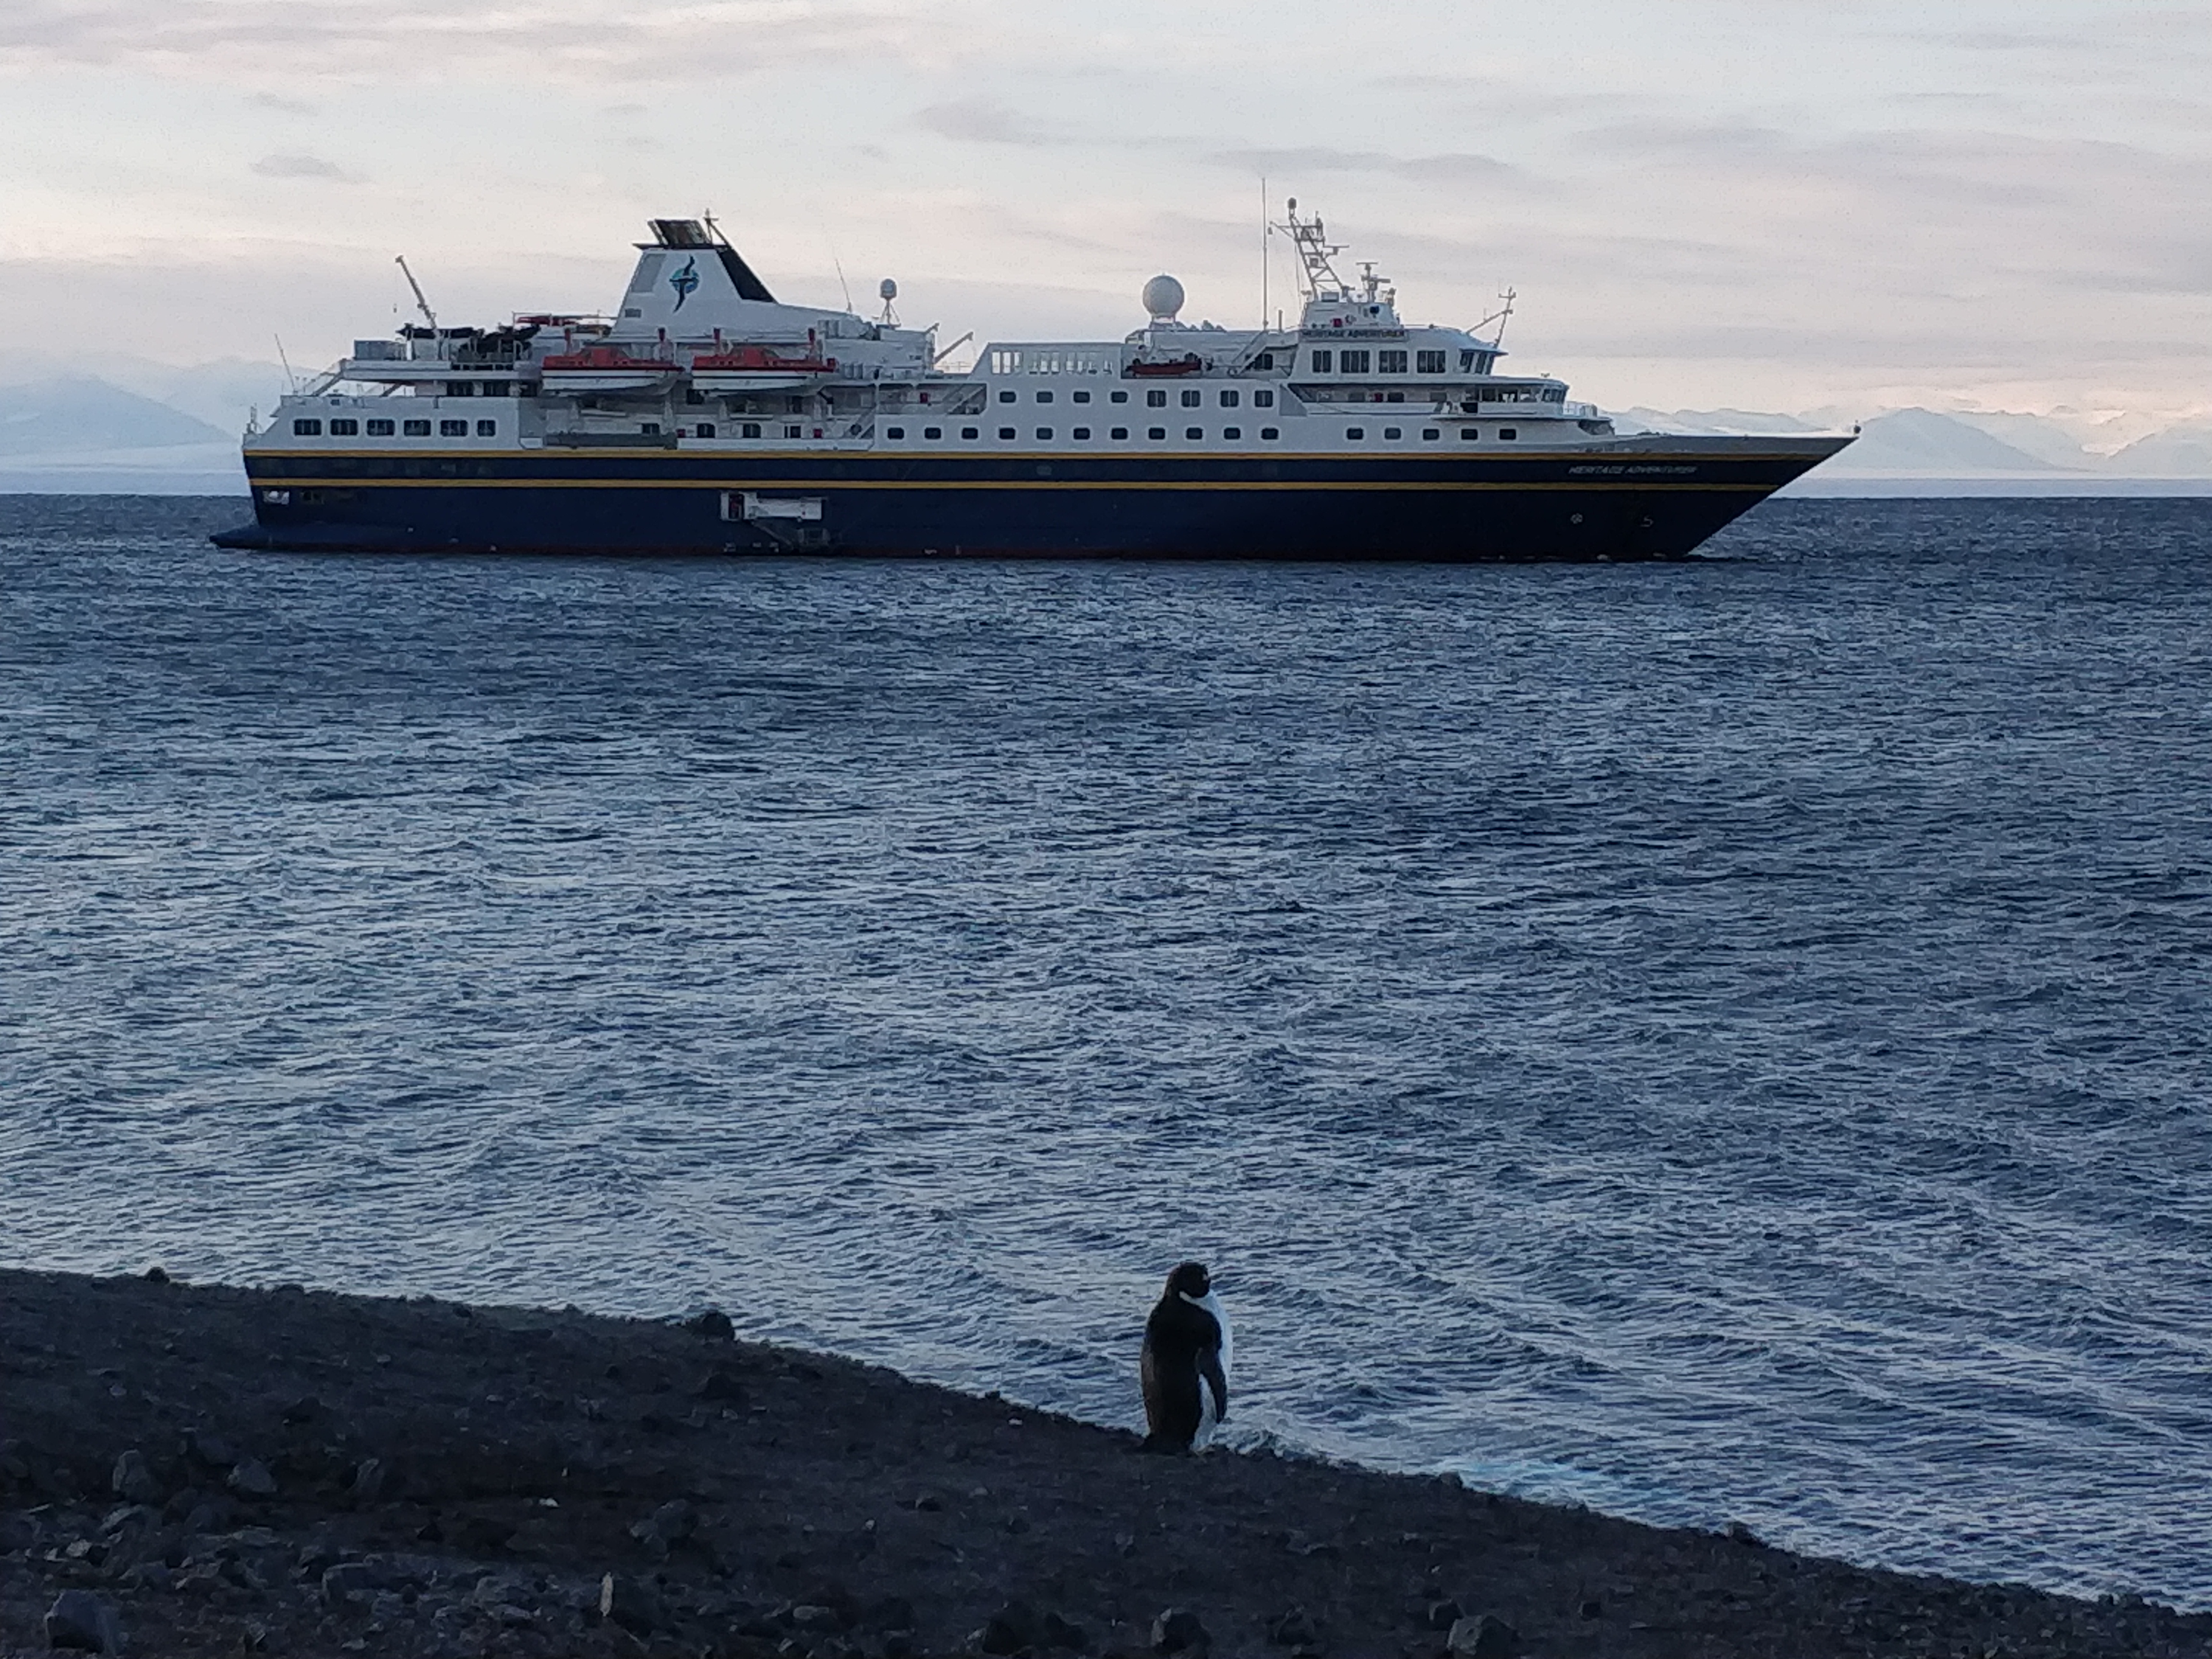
(761, 360)
(1186, 365)
(608, 357)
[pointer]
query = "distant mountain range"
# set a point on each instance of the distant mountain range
(157, 427)
(1921, 443)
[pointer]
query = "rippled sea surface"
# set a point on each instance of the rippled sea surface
(1718, 1041)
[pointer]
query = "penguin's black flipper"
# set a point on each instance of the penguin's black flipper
(1209, 1367)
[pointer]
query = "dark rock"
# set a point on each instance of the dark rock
(630, 1603)
(1592, 1609)
(892, 1612)
(349, 1580)
(367, 1484)
(83, 1622)
(1486, 1638)
(722, 1384)
(314, 1561)
(156, 1274)
(1294, 1629)
(712, 1324)
(211, 1449)
(1443, 1615)
(1054, 1632)
(1010, 1629)
(306, 1409)
(133, 1480)
(820, 1621)
(1740, 1533)
(1177, 1630)
(251, 1478)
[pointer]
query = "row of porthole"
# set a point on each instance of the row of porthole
(1195, 433)
(1157, 397)
(346, 427)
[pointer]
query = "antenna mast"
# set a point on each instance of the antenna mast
(421, 304)
(1317, 277)
(1502, 316)
(1266, 231)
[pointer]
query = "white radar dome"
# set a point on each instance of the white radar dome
(1162, 296)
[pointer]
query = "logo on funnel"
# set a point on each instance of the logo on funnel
(685, 279)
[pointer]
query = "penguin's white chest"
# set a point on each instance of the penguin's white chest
(1208, 1413)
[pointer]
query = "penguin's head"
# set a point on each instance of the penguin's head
(1190, 1279)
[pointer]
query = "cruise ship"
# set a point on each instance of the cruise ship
(705, 414)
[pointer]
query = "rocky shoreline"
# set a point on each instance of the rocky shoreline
(204, 1470)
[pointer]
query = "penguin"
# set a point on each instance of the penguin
(1185, 1338)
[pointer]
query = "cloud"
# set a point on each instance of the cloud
(983, 121)
(596, 41)
(1462, 167)
(302, 166)
(286, 106)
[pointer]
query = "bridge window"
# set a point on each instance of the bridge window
(1229, 400)
(1390, 362)
(307, 428)
(749, 430)
(490, 429)
(1429, 362)
(1264, 363)
(1465, 361)
(453, 428)
(1322, 362)
(343, 428)
(1351, 363)
(705, 430)
(415, 429)
(379, 428)
(1156, 398)
(791, 432)
(1193, 398)
(1263, 399)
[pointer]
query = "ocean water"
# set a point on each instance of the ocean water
(1721, 1041)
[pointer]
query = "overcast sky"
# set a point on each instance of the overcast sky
(1767, 204)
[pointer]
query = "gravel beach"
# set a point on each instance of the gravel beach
(204, 1470)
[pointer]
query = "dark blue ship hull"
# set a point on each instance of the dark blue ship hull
(1658, 499)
